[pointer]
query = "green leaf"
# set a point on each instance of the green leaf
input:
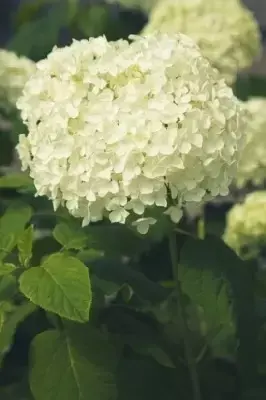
(213, 254)
(25, 246)
(60, 285)
(141, 336)
(70, 236)
(8, 287)
(29, 39)
(7, 243)
(93, 20)
(27, 11)
(211, 294)
(73, 7)
(5, 308)
(7, 268)
(116, 240)
(12, 225)
(106, 287)
(89, 255)
(77, 364)
(162, 227)
(10, 323)
(113, 271)
(2, 318)
(15, 180)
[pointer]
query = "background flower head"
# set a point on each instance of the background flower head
(252, 165)
(225, 31)
(246, 226)
(14, 72)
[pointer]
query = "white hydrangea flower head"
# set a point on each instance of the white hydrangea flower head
(14, 72)
(144, 5)
(226, 31)
(118, 128)
(246, 226)
(252, 164)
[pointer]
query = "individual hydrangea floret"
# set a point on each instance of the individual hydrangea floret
(117, 128)
(225, 30)
(246, 226)
(14, 72)
(252, 165)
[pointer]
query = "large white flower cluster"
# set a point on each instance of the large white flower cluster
(116, 128)
(252, 165)
(14, 72)
(246, 226)
(226, 31)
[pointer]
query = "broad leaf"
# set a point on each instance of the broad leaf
(8, 287)
(212, 254)
(70, 236)
(29, 39)
(5, 308)
(60, 285)
(89, 255)
(117, 240)
(27, 11)
(15, 180)
(7, 243)
(10, 323)
(12, 225)
(119, 273)
(78, 363)
(106, 287)
(25, 246)
(211, 294)
(7, 268)
(93, 20)
(140, 332)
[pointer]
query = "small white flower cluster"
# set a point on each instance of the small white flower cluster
(252, 165)
(226, 31)
(14, 72)
(116, 128)
(246, 226)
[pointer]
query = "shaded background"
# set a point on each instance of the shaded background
(9, 7)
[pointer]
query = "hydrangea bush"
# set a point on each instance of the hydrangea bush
(146, 124)
(225, 31)
(111, 287)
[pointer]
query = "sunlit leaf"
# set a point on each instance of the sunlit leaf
(60, 285)
(25, 243)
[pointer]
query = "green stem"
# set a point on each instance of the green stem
(201, 226)
(191, 362)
